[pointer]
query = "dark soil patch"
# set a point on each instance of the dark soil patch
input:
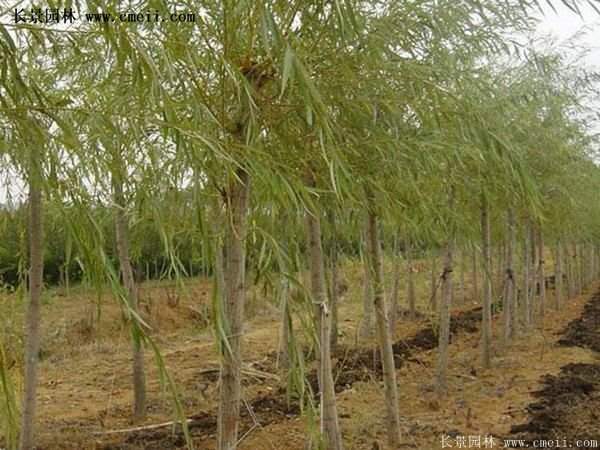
(352, 365)
(266, 409)
(585, 331)
(568, 408)
(364, 365)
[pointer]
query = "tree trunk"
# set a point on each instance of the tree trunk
(32, 318)
(434, 282)
(366, 329)
(410, 281)
(590, 265)
(283, 357)
(444, 311)
(395, 297)
(235, 294)
(487, 287)
(542, 273)
(579, 269)
(569, 264)
(384, 335)
(535, 275)
(526, 303)
(122, 242)
(558, 276)
(502, 264)
(576, 270)
(330, 428)
(333, 258)
(509, 292)
(475, 276)
(463, 262)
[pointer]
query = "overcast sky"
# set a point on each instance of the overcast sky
(564, 24)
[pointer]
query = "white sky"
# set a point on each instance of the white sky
(577, 34)
(564, 24)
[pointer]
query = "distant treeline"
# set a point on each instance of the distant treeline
(62, 260)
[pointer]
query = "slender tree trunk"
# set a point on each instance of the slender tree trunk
(509, 306)
(597, 265)
(535, 274)
(32, 318)
(444, 310)
(367, 325)
(526, 304)
(580, 267)
(542, 272)
(475, 276)
(434, 281)
(238, 195)
(330, 428)
(570, 278)
(410, 281)
(576, 279)
(558, 276)
(487, 287)
(463, 262)
(334, 283)
(283, 357)
(499, 269)
(67, 280)
(590, 264)
(384, 335)
(395, 297)
(122, 242)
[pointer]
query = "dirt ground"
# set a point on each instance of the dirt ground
(85, 398)
(568, 403)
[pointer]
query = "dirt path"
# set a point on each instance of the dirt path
(568, 405)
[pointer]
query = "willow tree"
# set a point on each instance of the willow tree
(231, 110)
(28, 146)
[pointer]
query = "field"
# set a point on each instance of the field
(85, 396)
(299, 224)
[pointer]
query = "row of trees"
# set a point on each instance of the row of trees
(417, 123)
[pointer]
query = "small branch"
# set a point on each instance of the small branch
(143, 428)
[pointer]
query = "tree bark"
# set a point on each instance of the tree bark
(238, 196)
(576, 270)
(283, 357)
(580, 267)
(333, 259)
(384, 335)
(410, 281)
(434, 282)
(570, 277)
(590, 265)
(367, 325)
(487, 287)
(444, 311)
(122, 243)
(330, 428)
(509, 292)
(32, 318)
(542, 274)
(395, 296)
(463, 262)
(558, 276)
(475, 277)
(526, 277)
(535, 275)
